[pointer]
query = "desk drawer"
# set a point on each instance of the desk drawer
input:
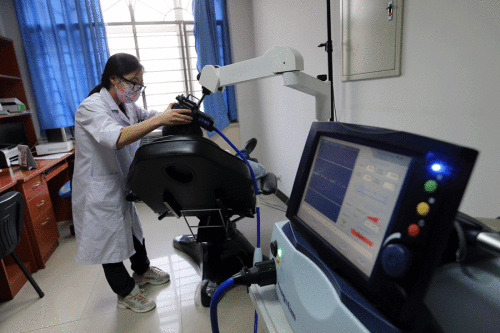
(45, 221)
(39, 204)
(46, 233)
(35, 187)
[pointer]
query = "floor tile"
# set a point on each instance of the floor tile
(79, 299)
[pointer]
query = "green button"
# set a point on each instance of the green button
(430, 186)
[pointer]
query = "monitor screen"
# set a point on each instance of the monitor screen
(13, 133)
(350, 196)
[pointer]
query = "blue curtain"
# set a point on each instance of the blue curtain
(212, 45)
(66, 50)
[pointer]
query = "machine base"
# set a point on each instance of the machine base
(217, 261)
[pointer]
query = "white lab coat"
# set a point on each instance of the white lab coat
(104, 221)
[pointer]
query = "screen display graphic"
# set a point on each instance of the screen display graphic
(350, 196)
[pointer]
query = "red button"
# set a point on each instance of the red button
(413, 230)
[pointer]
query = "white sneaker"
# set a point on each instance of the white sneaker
(153, 275)
(137, 301)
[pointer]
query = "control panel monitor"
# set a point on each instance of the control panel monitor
(378, 207)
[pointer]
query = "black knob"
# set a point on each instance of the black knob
(322, 77)
(274, 248)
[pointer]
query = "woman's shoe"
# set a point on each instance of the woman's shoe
(137, 301)
(153, 275)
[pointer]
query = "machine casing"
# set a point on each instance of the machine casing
(398, 281)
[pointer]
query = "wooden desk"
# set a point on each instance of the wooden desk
(7, 180)
(43, 208)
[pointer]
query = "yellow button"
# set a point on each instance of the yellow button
(423, 208)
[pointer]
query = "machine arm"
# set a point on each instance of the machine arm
(279, 60)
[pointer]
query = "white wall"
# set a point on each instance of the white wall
(279, 117)
(449, 88)
(240, 14)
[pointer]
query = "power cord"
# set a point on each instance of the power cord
(262, 273)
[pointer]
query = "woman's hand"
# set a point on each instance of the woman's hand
(175, 116)
(170, 116)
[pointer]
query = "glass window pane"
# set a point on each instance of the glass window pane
(158, 88)
(161, 53)
(172, 87)
(159, 45)
(196, 86)
(121, 43)
(194, 63)
(115, 11)
(147, 42)
(151, 65)
(157, 28)
(163, 99)
(163, 76)
(151, 10)
(120, 39)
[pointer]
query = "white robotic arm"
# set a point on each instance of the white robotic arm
(278, 60)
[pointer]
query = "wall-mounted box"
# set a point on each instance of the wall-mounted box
(371, 38)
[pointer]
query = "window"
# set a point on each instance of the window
(160, 34)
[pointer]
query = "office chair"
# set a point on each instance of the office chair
(191, 176)
(65, 193)
(11, 225)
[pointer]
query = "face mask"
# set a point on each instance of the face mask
(125, 94)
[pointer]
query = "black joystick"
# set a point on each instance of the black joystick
(200, 118)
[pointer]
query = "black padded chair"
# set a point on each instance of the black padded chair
(11, 225)
(188, 175)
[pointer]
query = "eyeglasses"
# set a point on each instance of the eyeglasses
(135, 86)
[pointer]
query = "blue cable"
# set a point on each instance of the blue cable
(256, 322)
(223, 288)
(213, 306)
(253, 177)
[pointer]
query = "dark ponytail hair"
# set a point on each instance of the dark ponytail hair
(119, 64)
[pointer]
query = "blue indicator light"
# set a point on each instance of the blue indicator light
(437, 167)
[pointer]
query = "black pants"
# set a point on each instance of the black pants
(117, 275)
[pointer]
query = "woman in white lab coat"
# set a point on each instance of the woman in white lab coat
(108, 125)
